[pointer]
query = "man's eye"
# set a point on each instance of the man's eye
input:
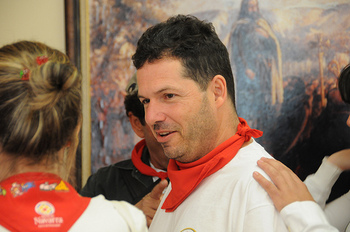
(170, 95)
(145, 101)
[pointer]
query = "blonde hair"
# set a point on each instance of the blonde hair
(38, 116)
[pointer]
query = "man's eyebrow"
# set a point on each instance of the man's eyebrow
(164, 89)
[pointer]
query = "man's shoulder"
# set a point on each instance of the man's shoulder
(112, 171)
(124, 164)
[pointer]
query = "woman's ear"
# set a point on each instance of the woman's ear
(219, 88)
(136, 125)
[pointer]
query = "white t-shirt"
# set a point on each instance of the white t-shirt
(228, 200)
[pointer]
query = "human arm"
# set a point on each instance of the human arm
(151, 201)
(338, 212)
(292, 198)
(341, 159)
(321, 182)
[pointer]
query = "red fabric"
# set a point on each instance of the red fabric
(141, 166)
(37, 201)
(185, 177)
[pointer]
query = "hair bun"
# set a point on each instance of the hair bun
(50, 81)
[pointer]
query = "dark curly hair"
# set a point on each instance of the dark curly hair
(132, 104)
(194, 42)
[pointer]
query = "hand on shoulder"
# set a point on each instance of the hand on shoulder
(285, 188)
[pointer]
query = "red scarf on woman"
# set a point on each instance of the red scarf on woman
(141, 166)
(37, 201)
(185, 177)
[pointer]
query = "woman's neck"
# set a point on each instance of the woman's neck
(10, 166)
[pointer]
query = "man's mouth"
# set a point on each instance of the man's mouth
(163, 134)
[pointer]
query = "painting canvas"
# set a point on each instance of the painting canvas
(286, 56)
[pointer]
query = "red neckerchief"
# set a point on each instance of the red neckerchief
(141, 166)
(36, 201)
(185, 177)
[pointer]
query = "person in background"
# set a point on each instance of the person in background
(186, 85)
(295, 199)
(40, 116)
(257, 60)
(132, 180)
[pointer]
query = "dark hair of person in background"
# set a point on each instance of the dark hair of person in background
(344, 84)
(132, 104)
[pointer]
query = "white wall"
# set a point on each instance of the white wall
(40, 20)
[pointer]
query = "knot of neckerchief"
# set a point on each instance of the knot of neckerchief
(244, 130)
(185, 177)
(141, 166)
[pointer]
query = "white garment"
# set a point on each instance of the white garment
(320, 185)
(228, 200)
(308, 216)
(104, 215)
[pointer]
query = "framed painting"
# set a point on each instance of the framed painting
(286, 57)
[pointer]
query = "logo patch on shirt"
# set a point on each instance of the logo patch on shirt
(47, 218)
(2, 191)
(62, 187)
(47, 187)
(54, 186)
(44, 208)
(19, 189)
(188, 230)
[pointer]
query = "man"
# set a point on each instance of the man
(293, 199)
(133, 179)
(186, 85)
(256, 54)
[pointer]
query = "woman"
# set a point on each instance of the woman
(295, 199)
(40, 115)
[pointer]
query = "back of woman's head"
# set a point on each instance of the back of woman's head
(344, 84)
(40, 100)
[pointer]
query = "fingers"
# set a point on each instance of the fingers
(157, 191)
(269, 187)
(150, 202)
(271, 190)
(278, 172)
(286, 187)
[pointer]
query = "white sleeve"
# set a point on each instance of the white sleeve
(306, 216)
(320, 184)
(134, 217)
(338, 212)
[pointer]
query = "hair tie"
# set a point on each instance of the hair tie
(41, 60)
(24, 74)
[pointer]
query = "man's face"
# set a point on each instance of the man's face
(253, 10)
(180, 114)
(252, 6)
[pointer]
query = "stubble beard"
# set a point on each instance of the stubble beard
(201, 137)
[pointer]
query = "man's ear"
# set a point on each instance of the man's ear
(219, 88)
(136, 125)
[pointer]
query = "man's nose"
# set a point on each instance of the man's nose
(154, 113)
